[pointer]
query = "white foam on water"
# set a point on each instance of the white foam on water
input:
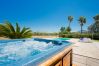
(19, 49)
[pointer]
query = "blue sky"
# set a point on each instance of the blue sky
(48, 15)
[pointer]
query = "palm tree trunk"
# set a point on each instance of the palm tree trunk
(69, 24)
(81, 29)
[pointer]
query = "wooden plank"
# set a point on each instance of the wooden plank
(74, 65)
(52, 61)
(59, 63)
(67, 59)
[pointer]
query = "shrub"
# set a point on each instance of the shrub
(78, 35)
(96, 36)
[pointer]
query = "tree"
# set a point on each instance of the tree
(8, 30)
(62, 29)
(95, 26)
(62, 32)
(68, 29)
(96, 23)
(96, 18)
(82, 21)
(70, 19)
(91, 28)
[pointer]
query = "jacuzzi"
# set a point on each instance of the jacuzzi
(30, 52)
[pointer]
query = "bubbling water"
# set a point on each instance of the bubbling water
(20, 49)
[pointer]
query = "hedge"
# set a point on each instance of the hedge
(95, 36)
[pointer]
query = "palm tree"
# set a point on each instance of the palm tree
(70, 19)
(82, 21)
(95, 26)
(96, 23)
(8, 30)
(96, 18)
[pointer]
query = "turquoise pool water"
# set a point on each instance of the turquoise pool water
(62, 38)
(28, 52)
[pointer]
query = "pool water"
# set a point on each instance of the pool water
(26, 51)
(62, 38)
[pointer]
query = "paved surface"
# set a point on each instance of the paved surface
(85, 54)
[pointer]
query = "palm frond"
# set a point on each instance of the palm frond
(70, 18)
(17, 28)
(27, 33)
(24, 30)
(10, 26)
(8, 30)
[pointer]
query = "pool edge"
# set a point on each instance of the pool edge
(56, 57)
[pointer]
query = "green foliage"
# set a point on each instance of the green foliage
(68, 29)
(96, 36)
(96, 18)
(95, 26)
(82, 20)
(8, 30)
(62, 33)
(44, 34)
(70, 18)
(96, 23)
(93, 29)
(78, 35)
(62, 29)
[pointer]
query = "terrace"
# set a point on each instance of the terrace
(85, 54)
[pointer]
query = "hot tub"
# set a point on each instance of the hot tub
(32, 52)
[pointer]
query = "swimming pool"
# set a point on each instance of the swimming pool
(62, 38)
(28, 52)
